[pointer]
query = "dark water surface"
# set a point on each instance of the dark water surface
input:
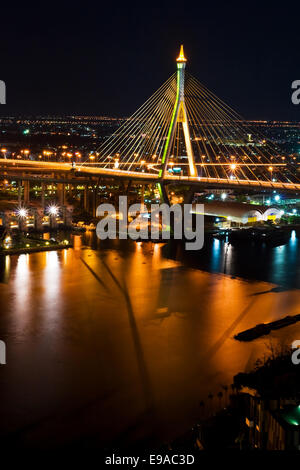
(118, 342)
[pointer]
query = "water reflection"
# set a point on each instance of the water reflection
(215, 256)
(51, 277)
(21, 300)
(77, 242)
(276, 264)
(22, 283)
(100, 332)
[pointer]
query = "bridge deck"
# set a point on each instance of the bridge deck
(82, 170)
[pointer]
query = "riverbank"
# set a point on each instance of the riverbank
(35, 249)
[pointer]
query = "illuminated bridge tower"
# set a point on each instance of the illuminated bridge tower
(179, 115)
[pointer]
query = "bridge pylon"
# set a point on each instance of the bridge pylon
(179, 115)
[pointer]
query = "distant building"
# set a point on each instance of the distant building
(272, 424)
(241, 212)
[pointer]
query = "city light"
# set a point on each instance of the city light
(223, 196)
(233, 166)
(53, 210)
(22, 212)
(277, 198)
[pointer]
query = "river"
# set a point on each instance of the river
(117, 342)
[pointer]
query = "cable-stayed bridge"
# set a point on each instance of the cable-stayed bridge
(182, 134)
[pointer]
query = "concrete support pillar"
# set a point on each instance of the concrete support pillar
(26, 185)
(86, 198)
(22, 224)
(61, 193)
(67, 215)
(38, 219)
(43, 194)
(53, 221)
(94, 201)
(19, 193)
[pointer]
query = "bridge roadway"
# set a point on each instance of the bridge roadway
(17, 169)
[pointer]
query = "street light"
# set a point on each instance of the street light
(22, 212)
(53, 210)
(22, 215)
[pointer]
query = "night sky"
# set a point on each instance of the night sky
(108, 58)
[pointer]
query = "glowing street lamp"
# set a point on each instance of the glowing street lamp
(53, 210)
(22, 212)
(53, 213)
(233, 166)
(22, 215)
